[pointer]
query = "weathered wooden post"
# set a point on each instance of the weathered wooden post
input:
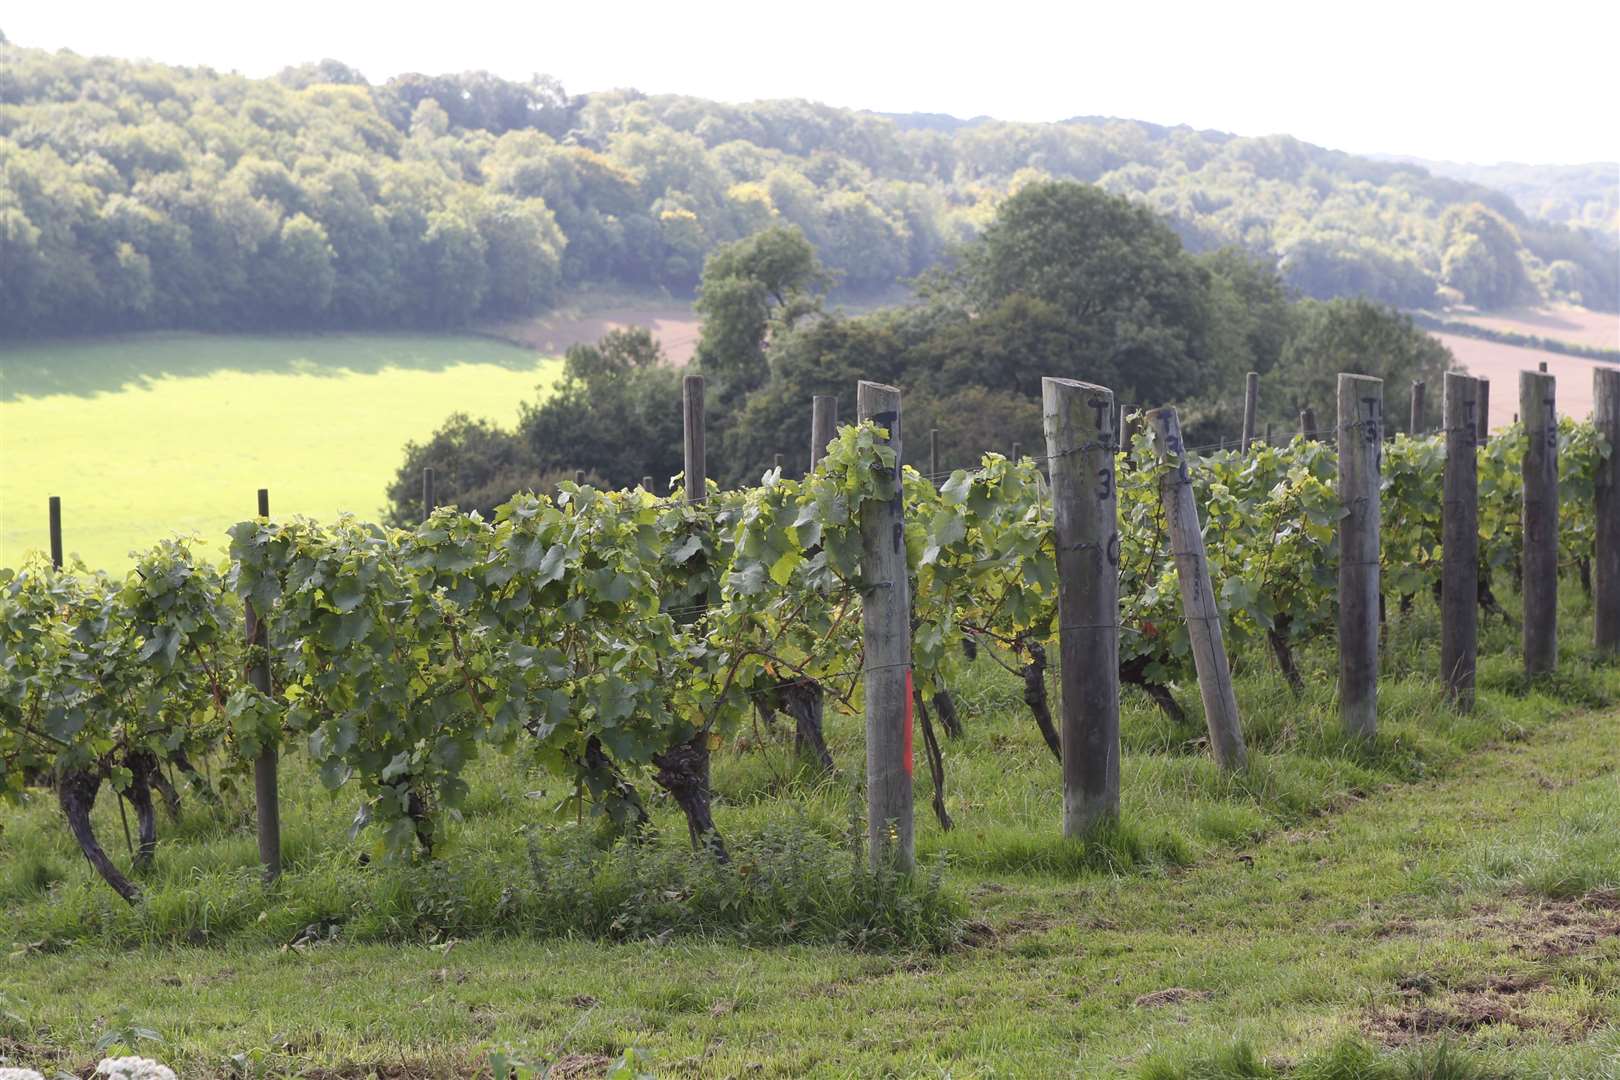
(266, 793)
(1537, 404)
(55, 510)
(1459, 542)
(647, 483)
(1418, 421)
(1482, 409)
(1017, 452)
(776, 462)
(1080, 442)
(886, 633)
(1361, 447)
(1606, 547)
(1543, 366)
(823, 426)
(1307, 422)
(1197, 594)
(1269, 441)
(579, 477)
(429, 496)
(933, 454)
(1251, 405)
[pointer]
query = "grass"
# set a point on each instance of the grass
(155, 434)
(1437, 904)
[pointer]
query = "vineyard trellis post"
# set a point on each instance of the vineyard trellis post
(55, 511)
(1482, 410)
(646, 483)
(1418, 421)
(823, 426)
(266, 793)
(1538, 406)
(1307, 422)
(1251, 404)
(1080, 445)
(1606, 544)
(776, 462)
(1017, 452)
(886, 636)
(429, 496)
(933, 454)
(1269, 440)
(579, 477)
(1459, 542)
(1361, 447)
(1197, 594)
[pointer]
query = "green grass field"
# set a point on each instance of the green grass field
(1442, 904)
(151, 435)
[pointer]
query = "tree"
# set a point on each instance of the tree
(1482, 258)
(754, 288)
(1360, 338)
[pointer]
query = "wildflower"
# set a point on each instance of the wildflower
(18, 1074)
(133, 1068)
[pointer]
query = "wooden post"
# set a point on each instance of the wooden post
(266, 794)
(1197, 594)
(1307, 422)
(429, 499)
(697, 466)
(1251, 405)
(1418, 422)
(933, 454)
(1482, 409)
(647, 483)
(1269, 441)
(56, 530)
(1361, 446)
(1539, 585)
(1606, 546)
(776, 462)
(1459, 542)
(886, 633)
(1543, 366)
(1080, 443)
(1017, 453)
(579, 477)
(823, 426)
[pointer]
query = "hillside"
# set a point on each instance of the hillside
(1585, 196)
(135, 194)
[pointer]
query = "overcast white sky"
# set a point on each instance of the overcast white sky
(1478, 81)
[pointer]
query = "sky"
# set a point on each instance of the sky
(1448, 81)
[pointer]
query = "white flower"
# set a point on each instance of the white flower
(133, 1068)
(19, 1074)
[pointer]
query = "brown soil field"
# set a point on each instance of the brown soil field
(1501, 364)
(1556, 322)
(585, 317)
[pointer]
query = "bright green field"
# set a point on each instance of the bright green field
(151, 435)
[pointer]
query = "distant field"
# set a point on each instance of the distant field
(1576, 326)
(149, 435)
(1501, 364)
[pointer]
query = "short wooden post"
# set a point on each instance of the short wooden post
(1251, 406)
(429, 496)
(1482, 409)
(1197, 595)
(933, 454)
(1307, 422)
(776, 462)
(1080, 442)
(1361, 446)
(697, 467)
(1539, 585)
(266, 794)
(823, 426)
(1543, 366)
(1606, 546)
(1459, 542)
(55, 510)
(1269, 441)
(647, 483)
(1017, 453)
(886, 633)
(579, 477)
(1418, 421)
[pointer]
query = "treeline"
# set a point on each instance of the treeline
(135, 194)
(1065, 280)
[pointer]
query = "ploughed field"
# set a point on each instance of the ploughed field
(148, 435)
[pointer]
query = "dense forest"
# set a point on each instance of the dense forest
(135, 194)
(1065, 279)
(1586, 196)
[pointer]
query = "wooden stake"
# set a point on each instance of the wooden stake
(429, 500)
(1017, 453)
(1251, 405)
(1418, 422)
(579, 477)
(1459, 540)
(1197, 594)
(1307, 422)
(886, 633)
(1482, 400)
(55, 510)
(933, 454)
(266, 794)
(647, 483)
(1361, 443)
(1080, 442)
(1606, 547)
(776, 462)
(823, 426)
(1539, 585)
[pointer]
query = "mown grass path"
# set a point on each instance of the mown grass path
(1478, 907)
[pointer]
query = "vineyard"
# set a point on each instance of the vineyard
(618, 639)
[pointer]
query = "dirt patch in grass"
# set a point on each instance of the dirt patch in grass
(1558, 928)
(1174, 995)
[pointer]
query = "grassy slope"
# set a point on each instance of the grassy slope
(1333, 889)
(155, 434)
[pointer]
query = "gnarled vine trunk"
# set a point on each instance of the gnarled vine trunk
(1034, 673)
(683, 771)
(804, 700)
(1283, 650)
(76, 792)
(1134, 673)
(945, 705)
(143, 766)
(610, 790)
(936, 761)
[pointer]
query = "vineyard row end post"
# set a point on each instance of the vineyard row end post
(886, 636)
(1539, 409)
(1251, 405)
(823, 426)
(266, 790)
(1080, 445)
(1307, 422)
(1482, 399)
(55, 509)
(1418, 421)
(1606, 546)
(1361, 447)
(1198, 605)
(1459, 541)
(429, 496)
